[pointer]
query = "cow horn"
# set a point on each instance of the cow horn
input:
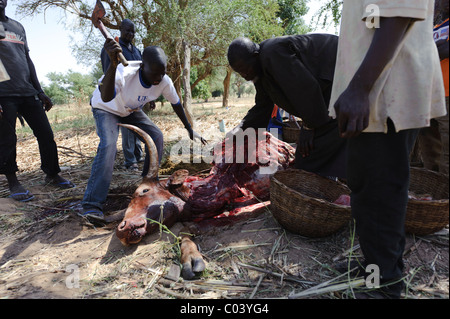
(153, 152)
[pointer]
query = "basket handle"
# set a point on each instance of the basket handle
(292, 119)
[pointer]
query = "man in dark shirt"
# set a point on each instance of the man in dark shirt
(23, 94)
(295, 73)
(131, 145)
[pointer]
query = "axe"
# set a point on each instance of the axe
(97, 15)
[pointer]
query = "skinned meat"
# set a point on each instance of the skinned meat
(236, 182)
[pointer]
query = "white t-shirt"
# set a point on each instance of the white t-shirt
(410, 89)
(131, 93)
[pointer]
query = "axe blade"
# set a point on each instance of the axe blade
(98, 13)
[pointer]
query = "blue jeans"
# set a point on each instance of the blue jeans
(131, 146)
(103, 165)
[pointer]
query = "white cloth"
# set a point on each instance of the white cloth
(131, 93)
(410, 89)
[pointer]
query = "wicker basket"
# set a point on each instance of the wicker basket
(427, 217)
(302, 202)
(291, 131)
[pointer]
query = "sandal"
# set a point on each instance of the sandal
(19, 196)
(60, 182)
(93, 213)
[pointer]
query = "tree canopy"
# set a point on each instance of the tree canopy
(204, 27)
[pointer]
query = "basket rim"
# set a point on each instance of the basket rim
(428, 172)
(314, 199)
(428, 202)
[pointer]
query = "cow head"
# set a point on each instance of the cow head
(152, 203)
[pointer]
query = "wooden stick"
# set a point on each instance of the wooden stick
(320, 291)
(288, 278)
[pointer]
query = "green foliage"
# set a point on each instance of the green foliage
(290, 13)
(207, 26)
(330, 10)
(58, 94)
(72, 86)
(202, 89)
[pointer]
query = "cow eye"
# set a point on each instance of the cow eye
(145, 190)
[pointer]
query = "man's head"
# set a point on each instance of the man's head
(243, 56)
(127, 30)
(154, 63)
(3, 4)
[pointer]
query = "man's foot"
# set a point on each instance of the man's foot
(59, 181)
(133, 167)
(18, 192)
(388, 290)
(22, 196)
(94, 214)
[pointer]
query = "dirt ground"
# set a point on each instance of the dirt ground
(47, 251)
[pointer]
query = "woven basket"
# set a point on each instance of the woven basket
(302, 202)
(427, 217)
(291, 131)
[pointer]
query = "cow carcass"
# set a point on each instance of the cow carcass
(239, 177)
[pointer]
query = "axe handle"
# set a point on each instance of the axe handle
(106, 34)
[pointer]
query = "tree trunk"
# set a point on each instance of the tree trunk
(187, 103)
(226, 87)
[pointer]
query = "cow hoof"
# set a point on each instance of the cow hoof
(191, 268)
(191, 259)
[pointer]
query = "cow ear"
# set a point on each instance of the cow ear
(177, 178)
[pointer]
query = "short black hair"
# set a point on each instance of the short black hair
(154, 55)
(126, 22)
(241, 49)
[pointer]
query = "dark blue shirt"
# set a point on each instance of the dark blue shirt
(131, 55)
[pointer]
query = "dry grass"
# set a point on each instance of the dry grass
(41, 241)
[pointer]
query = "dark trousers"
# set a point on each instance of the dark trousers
(378, 175)
(329, 155)
(32, 111)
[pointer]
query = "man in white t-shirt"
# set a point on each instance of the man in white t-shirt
(387, 85)
(119, 98)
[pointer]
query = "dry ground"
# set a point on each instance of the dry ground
(45, 248)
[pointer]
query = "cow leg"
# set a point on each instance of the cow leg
(191, 259)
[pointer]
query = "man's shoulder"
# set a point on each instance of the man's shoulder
(299, 42)
(281, 45)
(131, 69)
(14, 23)
(167, 80)
(267, 47)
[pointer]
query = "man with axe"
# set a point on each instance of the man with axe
(131, 145)
(119, 98)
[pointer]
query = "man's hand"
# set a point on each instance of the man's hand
(1, 112)
(195, 136)
(113, 48)
(46, 101)
(352, 111)
(352, 107)
(305, 142)
(107, 85)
